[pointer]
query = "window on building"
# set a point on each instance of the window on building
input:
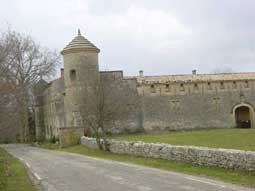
(234, 85)
(72, 75)
(246, 84)
(222, 85)
(153, 89)
(167, 88)
(196, 86)
(175, 104)
(209, 86)
(216, 102)
(182, 87)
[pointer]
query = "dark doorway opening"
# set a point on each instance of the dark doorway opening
(243, 117)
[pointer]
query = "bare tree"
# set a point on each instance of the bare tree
(22, 63)
(8, 114)
(109, 104)
(99, 112)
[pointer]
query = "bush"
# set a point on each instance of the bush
(53, 140)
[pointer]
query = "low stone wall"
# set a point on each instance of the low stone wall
(225, 158)
(70, 136)
(89, 142)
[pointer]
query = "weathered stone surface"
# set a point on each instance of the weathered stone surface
(70, 136)
(89, 142)
(148, 103)
(225, 158)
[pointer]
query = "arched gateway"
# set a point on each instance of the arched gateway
(243, 115)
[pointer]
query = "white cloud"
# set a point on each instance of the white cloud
(149, 28)
(160, 36)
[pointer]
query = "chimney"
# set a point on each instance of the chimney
(62, 72)
(194, 72)
(141, 73)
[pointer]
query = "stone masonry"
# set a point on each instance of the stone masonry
(224, 158)
(152, 103)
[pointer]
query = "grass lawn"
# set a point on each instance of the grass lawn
(243, 139)
(239, 177)
(13, 175)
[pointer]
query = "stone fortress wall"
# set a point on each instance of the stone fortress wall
(147, 103)
(163, 106)
(195, 101)
(128, 117)
(53, 108)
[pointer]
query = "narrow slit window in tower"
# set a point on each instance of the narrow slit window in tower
(222, 85)
(72, 75)
(246, 84)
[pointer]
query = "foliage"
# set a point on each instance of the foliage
(53, 140)
(242, 139)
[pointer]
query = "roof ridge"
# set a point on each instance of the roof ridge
(195, 77)
(204, 74)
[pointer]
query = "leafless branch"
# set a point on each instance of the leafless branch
(22, 64)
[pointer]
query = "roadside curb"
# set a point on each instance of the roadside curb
(34, 177)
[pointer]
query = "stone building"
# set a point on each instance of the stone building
(154, 103)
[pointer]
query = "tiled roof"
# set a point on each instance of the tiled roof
(80, 43)
(194, 78)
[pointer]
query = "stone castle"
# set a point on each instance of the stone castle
(152, 103)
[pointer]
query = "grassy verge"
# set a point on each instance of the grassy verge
(13, 175)
(242, 139)
(239, 177)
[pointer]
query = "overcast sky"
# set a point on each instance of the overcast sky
(157, 36)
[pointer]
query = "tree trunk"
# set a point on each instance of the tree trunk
(106, 146)
(98, 140)
(23, 117)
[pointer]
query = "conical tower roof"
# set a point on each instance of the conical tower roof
(80, 43)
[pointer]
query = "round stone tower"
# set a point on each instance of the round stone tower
(81, 77)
